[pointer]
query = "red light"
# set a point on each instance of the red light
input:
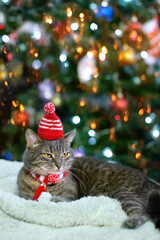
(117, 117)
(1, 26)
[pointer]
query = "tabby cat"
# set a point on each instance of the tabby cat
(87, 176)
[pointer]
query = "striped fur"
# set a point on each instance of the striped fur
(88, 177)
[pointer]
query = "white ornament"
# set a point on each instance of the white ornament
(86, 68)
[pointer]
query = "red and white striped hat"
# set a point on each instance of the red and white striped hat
(50, 127)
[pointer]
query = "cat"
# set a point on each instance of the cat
(87, 176)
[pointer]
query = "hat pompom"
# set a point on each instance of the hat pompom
(49, 108)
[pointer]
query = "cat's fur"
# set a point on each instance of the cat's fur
(88, 176)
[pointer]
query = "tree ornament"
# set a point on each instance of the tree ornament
(126, 56)
(120, 104)
(106, 12)
(86, 68)
(151, 29)
(21, 118)
(46, 90)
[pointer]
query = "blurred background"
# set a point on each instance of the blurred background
(98, 61)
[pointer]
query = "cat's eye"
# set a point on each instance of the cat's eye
(47, 155)
(64, 155)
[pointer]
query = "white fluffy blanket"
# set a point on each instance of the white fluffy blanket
(90, 218)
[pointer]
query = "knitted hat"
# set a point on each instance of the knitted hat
(50, 127)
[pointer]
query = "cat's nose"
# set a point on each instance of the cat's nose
(59, 166)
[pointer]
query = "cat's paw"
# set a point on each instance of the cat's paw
(132, 222)
(135, 221)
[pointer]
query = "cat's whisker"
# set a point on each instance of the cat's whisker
(73, 175)
(81, 172)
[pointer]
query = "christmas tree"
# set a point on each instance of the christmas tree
(98, 62)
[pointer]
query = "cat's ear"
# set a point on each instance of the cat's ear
(68, 137)
(32, 138)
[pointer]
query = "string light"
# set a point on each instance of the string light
(5, 38)
(15, 103)
(90, 54)
(155, 131)
(102, 56)
(104, 50)
(79, 50)
(37, 64)
(92, 141)
(74, 26)
(107, 152)
(91, 133)
(69, 12)
(76, 120)
(138, 155)
(21, 108)
(63, 57)
(48, 19)
(82, 103)
(148, 120)
(93, 125)
(93, 26)
(144, 54)
(118, 33)
(81, 16)
(141, 112)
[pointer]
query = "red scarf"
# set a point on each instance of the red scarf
(46, 180)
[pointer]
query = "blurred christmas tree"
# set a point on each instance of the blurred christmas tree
(97, 61)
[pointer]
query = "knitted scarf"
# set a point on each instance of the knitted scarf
(46, 180)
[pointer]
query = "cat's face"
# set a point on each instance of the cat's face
(48, 157)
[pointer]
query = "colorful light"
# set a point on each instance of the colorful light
(148, 120)
(37, 64)
(5, 38)
(63, 57)
(93, 26)
(92, 141)
(91, 133)
(76, 120)
(107, 152)
(74, 26)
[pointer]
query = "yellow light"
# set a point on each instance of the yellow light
(138, 155)
(21, 108)
(141, 111)
(6, 83)
(82, 103)
(10, 74)
(143, 77)
(139, 38)
(125, 118)
(102, 56)
(94, 89)
(113, 97)
(36, 54)
(81, 15)
(90, 54)
(48, 19)
(69, 12)
(15, 103)
(104, 50)
(148, 109)
(79, 49)
(12, 121)
(93, 125)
